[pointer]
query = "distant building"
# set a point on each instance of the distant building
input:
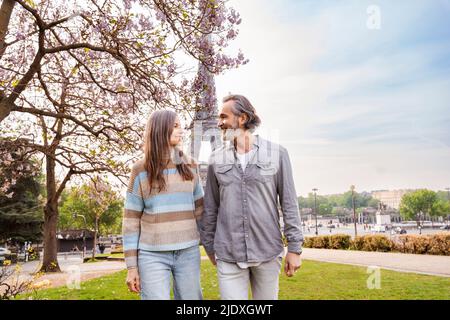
(72, 240)
(391, 198)
(383, 219)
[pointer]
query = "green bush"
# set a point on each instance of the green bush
(321, 242)
(340, 241)
(307, 242)
(375, 242)
(440, 244)
(415, 244)
(357, 243)
(437, 244)
(337, 241)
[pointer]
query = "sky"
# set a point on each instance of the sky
(357, 91)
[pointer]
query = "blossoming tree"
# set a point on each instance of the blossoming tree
(79, 78)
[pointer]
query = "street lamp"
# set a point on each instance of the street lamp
(448, 196)
(352, 187)
(74, 215)
(315, 207)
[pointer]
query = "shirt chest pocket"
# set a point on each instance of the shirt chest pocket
(224, 174)
(265, 172)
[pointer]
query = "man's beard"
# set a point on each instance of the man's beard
(229, 134)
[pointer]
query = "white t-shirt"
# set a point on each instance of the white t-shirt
(244, 158)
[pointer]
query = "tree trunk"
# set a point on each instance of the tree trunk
(5, 15)
(50, 261)
(5, 110)
(95, 238)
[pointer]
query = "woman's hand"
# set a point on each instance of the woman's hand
(133, 281)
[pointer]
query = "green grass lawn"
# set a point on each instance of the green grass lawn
(315, 280)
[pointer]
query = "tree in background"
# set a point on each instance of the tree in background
(361, 199)
(79, 80)
(335, 204)
(21, 216)
(98, 202)
(416, 205)
(110, 221)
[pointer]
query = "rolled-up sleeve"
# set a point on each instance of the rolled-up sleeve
(210, 210)
(289, 204)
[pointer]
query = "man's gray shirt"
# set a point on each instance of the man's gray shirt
(240, 222)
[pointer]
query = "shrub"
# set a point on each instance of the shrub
(307, 243)
(321, 242)
(357, 243)
(438, 244)
(340, 241)
(415, 244)
(337, 241)
(376, 242)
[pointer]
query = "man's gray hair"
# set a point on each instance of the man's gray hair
(242, 105)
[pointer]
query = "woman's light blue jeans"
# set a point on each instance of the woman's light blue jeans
(157, 267)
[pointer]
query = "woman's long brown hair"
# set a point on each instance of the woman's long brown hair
(157, 149)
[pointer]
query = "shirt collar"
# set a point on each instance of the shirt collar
(231, 151)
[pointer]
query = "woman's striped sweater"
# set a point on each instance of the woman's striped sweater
(161, 221)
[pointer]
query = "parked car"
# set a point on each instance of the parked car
(3, 254)
(378, 228)
(400, 230)
(447, 227)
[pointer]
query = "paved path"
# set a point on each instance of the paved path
(87, 271)
(416, 263)
(69, 267)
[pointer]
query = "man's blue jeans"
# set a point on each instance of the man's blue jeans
(157, 267)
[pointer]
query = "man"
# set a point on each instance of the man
(240, 225)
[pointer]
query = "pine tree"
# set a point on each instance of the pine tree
(21, 215)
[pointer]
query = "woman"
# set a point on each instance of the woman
(160, 234)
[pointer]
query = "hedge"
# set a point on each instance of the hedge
(435, 244)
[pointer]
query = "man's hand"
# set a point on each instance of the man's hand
(133, 281)
(212, 258)
(292, 263)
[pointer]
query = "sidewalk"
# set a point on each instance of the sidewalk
(87, 271)
(415, 263)
(68, 267)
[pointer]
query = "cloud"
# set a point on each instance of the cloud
(351, 104)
